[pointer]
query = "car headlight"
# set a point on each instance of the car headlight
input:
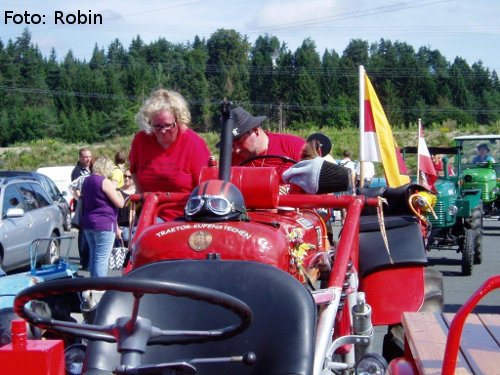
(452, 210)
(371, 363)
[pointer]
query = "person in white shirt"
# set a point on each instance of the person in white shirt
(368, 173)
(348, 163)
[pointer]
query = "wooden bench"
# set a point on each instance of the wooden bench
(426, 335)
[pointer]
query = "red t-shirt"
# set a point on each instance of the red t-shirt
(279, 144)
(174, 169)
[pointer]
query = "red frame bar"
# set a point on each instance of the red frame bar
(457, 324)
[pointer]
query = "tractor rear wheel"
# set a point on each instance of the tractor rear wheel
(467, 249)
(393, 345)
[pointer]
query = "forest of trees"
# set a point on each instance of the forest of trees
(90, 101)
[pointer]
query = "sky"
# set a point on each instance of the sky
(469, 29)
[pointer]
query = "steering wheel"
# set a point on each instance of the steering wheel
(133, 328)
(280, 168)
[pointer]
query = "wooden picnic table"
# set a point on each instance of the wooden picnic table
(426, 335)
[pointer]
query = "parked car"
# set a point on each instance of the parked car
(27, 213)
(51, 189)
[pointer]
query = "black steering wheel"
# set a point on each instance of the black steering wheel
(125, 327)
(285, 160)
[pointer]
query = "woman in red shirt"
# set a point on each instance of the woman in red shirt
(166, 155)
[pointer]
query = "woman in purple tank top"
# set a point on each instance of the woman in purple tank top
(101, 202)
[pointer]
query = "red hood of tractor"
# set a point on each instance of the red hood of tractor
(266, 238)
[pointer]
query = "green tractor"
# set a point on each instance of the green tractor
(481, 168)
(457, 224)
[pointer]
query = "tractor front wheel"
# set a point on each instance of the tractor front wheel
(477, 226)
(467, 249)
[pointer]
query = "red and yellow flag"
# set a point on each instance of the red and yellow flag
(376, 140)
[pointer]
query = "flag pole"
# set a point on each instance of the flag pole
(361, 125)
(418, 151)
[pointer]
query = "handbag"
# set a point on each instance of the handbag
(118, 256)
(77, 217)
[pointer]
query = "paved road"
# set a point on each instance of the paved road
(458, 288)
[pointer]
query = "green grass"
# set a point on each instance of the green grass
(50, 152)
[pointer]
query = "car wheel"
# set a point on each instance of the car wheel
(53, 252)
(67, 221)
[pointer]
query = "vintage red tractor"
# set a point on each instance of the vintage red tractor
(247, 282)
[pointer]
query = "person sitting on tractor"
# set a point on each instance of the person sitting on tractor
(437, 160)
(482, 154)
(315, 175)
(249, 140)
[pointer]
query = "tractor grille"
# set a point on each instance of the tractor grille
(486, 193)
(441, 210)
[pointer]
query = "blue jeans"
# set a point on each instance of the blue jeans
(100, 245)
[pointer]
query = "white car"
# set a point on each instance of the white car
(61, 176)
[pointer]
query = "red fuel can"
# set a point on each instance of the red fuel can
(33, 357)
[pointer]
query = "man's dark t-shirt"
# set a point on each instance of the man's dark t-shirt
(78, 171)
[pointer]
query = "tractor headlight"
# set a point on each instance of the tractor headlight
(371, 364)
(468, 178)
(496, 190)
(452, 210)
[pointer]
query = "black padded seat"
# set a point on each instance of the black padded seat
(405, 240)
(281, 334)
(397, 198)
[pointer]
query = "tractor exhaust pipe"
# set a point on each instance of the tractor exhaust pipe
(226, 142)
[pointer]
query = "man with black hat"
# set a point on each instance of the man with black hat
(482, 154)
(249, 140)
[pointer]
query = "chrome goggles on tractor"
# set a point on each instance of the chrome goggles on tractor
(216, 204)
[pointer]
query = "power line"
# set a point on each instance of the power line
(264, 105)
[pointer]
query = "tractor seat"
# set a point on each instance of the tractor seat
(281, 334)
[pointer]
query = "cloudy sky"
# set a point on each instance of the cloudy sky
(466, 28)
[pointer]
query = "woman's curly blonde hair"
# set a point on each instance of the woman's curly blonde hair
(103, 166)
(163, 100)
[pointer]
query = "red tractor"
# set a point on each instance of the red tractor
(247, 282)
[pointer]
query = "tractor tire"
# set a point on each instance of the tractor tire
(477, 225)
(393, 345)
(467, 249)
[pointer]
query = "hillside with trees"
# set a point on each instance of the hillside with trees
(93, 101)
